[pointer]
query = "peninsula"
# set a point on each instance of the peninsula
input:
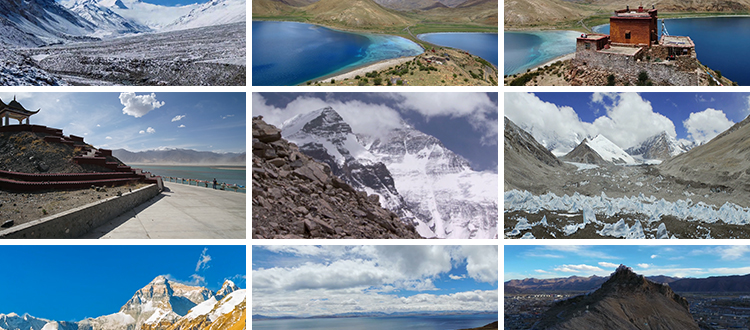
(405, 19)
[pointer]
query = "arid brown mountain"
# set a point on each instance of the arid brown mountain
(526, 160)
(625, 301)
(723, 162)
(355, 13)
(294, 196)
(572, 283)
(734, 283)
(471, 11)
(406, 5)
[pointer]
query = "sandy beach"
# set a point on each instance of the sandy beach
(559, 58)
(377, 66)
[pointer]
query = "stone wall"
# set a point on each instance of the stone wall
(629, 68)
(79, 221)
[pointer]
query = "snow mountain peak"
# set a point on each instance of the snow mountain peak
(414, 174)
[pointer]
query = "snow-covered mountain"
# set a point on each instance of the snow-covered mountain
(610, 151)
(34, 23)
(599, 151)
(439, 190)
(160, 305)
(660, 146)
(214, 12)
(153, 16)
(107, 22)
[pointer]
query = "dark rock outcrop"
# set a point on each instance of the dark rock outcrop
(625, 301)
(584, 154)
(294, 196)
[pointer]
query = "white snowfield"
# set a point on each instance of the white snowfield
(652, 208)
(610, 151)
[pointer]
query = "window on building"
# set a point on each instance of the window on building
(627, 34)
(587, 46)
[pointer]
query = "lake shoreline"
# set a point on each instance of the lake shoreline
(343, 73)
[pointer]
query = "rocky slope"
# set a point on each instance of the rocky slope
(414, 174)
(525, 159)
(295, 197)
(583, 153)
(625, 301)
(722, 162)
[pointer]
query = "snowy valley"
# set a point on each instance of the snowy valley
(659, 188)
(122, 42)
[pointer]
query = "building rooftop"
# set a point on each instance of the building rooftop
(639, 12)
(621, 50)
(593, 36)
(677, 41)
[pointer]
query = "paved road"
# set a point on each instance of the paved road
(182, 211)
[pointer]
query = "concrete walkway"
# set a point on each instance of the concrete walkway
(182, 211)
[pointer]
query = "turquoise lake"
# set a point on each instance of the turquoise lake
(441, 322)
(226, 174)
(291, 53)
(483, 45)
(720, 42)
(528, 49)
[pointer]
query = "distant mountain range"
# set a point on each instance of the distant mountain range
(160, 305)
(373, 314)
(179, 157)
(380, 14)
(732, 283)
(26, 23)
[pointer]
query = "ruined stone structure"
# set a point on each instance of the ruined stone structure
(633, 47)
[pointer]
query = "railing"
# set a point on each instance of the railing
(207, 184)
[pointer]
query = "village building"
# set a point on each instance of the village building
(633, 46)
(14, 110)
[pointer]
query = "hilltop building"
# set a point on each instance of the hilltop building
(633, 46)
(15, 111)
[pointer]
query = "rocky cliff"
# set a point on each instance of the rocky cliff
(625, 301)
(294, 196)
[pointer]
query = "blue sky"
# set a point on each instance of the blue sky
(628, 118)
(70, 283)
(555, 261)
(324, 280)
(143, 121)
(465, 123)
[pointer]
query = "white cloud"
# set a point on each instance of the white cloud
(181, 126)
(707, 124)
(578, 268)
(150, 130)
(197, 280)
(139, 105)
(108, 138)
(608, 264)
(643, 265)
(477, 108)
(141, 132)
(178, 117)
(203, 260)
(732, 252)
(629, 120)
(456, 277)
(653, 256)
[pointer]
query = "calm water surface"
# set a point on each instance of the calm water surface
(483, 45)
(226, 174)
(721, 43)
(528, 49)
(290, 53)
(447, 322)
